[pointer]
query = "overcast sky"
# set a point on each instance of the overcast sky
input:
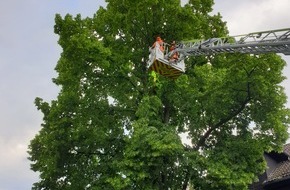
(29, 53)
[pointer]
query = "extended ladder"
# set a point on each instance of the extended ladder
(274, 41)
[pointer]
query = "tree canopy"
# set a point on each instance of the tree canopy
(114, 125)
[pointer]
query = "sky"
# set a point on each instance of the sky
(29, 52)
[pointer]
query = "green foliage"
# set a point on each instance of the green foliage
(116, 126)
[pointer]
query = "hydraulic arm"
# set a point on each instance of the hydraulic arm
(276, 41)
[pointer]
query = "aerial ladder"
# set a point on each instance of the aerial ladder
(274, 41)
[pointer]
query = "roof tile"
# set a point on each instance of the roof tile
(287, 149)
(281, 171)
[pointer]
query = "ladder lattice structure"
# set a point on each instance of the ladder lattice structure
(275, 41)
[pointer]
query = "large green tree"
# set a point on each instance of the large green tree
(114, 125)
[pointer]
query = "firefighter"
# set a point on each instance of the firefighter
(160, 42)
(173, 57)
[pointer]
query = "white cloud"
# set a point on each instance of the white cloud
(250, 16)
(15, 173)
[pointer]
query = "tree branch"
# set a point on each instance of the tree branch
(224, 120)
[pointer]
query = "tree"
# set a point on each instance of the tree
(116, 126)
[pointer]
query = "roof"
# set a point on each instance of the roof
(286, 149)
(280, 172)
(279, 178)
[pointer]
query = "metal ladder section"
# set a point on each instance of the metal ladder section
(274, 41)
